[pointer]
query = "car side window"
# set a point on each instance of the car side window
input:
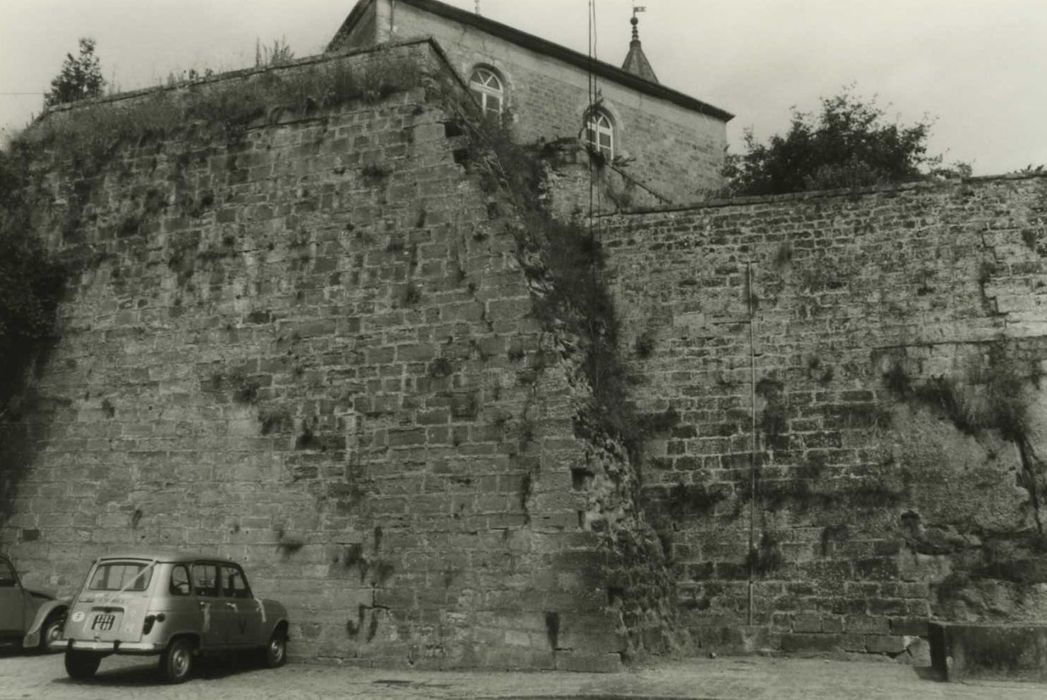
(180, 580)
(205, 580)
(234, 585)
(7, 575)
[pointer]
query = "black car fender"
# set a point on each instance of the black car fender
(32, 634)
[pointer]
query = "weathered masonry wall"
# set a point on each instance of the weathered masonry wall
(674, 151)
(309, 345)
(888, 347)
(323, 343)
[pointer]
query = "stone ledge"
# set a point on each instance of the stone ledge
(822, 195)
(1010, 651)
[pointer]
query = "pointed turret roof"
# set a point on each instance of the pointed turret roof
(636, 61)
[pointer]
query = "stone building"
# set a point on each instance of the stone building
(661, 144)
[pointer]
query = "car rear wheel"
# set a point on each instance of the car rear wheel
(177, 661)
(51, 633)
(81, 664)
(276, 649)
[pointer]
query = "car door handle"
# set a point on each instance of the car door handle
(231, 606)
(203, 604)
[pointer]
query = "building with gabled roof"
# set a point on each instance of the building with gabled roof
(663, 146)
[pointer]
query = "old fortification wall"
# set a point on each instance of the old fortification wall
(330, 336)
(308, 341)
(883, 352)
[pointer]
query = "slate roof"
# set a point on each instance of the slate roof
(548, 48)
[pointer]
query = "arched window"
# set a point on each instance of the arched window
(599, 133)
(489, 90)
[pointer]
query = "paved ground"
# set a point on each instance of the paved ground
(722, 679)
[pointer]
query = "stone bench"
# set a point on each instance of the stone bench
(1014, 651)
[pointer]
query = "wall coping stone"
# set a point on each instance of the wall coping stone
(819, 195)
(241, 73)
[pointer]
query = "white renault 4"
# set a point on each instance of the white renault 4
(172, 606)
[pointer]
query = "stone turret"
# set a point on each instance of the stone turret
(636, 62)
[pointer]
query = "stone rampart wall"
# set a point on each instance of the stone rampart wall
(308, 344)
(885, 350)
(319, 344)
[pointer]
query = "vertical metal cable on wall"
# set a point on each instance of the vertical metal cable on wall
(593, 92)
(753, 439)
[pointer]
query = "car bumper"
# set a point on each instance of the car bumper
(114, 647)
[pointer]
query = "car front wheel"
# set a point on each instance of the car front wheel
(80, 664)
(177, 661)
(276, 649)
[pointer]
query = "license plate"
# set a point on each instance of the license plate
(103, 622)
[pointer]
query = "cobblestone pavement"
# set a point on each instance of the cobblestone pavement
(726, 679)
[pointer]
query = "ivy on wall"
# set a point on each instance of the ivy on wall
(31, 279)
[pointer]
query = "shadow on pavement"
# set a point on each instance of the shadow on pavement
(145, 671)
(928, 673)
(10, 650)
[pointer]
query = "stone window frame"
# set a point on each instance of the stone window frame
(488, 84)
(598, 124)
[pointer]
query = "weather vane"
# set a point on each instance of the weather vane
(636, 10)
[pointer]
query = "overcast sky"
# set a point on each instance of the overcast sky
(979, 66)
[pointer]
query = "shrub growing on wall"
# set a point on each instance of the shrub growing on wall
(847, 144)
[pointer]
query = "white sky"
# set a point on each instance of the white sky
(979, 66)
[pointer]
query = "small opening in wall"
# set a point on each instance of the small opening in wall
(581, 479)
(461, 156)
(552, 629)
(453, 128)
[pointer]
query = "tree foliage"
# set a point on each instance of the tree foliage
(80, 77)
(848, 144)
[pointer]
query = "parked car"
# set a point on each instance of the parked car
(172, 606)
(30, 617)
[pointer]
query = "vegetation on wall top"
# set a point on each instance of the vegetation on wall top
(80, 77)
(847, 144)
(278, 54)
(81, 141)
(84, 139)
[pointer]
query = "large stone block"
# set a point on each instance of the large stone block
(1013, 651)
(810, 643)
(588, 663)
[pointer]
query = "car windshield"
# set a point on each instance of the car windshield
(121, 576)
